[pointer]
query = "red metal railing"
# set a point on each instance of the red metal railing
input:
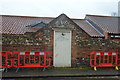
(104, 59)
(24, 59)
(31, 59)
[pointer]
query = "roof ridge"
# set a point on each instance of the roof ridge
(27, 16)
(76, 19)
(102, 16)
(36, 17)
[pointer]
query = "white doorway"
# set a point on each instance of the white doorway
(62, 48)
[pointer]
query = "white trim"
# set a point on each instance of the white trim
(54, 49)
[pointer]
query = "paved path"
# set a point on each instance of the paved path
(62, 73)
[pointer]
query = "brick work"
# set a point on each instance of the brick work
(43, 39)
(82, 44)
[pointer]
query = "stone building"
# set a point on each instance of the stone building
(70, 41)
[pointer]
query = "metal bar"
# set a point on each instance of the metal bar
(17, 69)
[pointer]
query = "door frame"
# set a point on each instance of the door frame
(62, 30)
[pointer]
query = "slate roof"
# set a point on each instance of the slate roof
(88, 28)
(106, 23)
(19, 24)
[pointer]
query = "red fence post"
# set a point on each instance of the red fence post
(5, 59)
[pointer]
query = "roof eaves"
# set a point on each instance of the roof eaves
(96, 36)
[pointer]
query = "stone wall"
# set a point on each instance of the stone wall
(43, 39)
(20, 43)
(81, 57)
(82, 44)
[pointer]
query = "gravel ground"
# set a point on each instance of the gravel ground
(70, 78)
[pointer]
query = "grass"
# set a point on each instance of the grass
(65, 68)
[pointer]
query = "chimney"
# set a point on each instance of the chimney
(106, 35)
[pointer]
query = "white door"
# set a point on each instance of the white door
(62, 48)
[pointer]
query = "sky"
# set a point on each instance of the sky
(53, 8)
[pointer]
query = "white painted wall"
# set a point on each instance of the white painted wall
(62, 48)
